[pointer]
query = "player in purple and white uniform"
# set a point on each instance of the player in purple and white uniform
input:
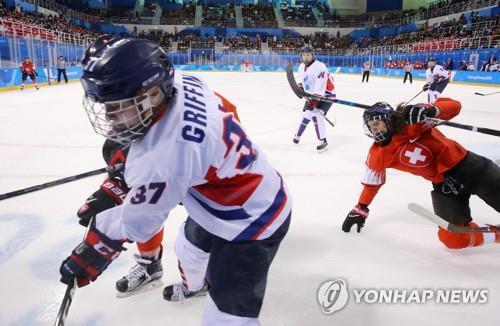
(314, 79)
(437, 79)
(184, 148)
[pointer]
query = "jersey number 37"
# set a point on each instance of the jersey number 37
(233, 135)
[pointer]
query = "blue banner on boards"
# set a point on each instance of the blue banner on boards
(12, 76)
(481, 77)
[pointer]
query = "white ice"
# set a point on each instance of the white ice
(45, 135)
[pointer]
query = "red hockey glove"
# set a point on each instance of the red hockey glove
(110, 194)
(311, 103)
(90, 258)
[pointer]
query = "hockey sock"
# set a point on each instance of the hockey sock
(316, 127)
(152, 247)
(455, 240)
(302, 126)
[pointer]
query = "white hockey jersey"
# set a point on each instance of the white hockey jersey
(197, 154)
(436, 74)
(316, 79)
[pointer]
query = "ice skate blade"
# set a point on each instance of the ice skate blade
(146, 288)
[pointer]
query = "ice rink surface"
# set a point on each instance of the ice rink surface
(46, 135)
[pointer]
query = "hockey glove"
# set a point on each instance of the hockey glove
(90, 258)
(110, 194)
(426, 87)
(312, 104)
(356, 216)
(114, 153)
(414, 114)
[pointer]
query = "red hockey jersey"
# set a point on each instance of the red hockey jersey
(419, 149)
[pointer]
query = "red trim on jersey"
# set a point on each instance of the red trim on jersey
(276, 214)
(330, 87)
(228, 106)
(234, 191)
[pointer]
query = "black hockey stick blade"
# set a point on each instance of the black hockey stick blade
(425, 213)
(486, 94)
(58, 182)
(293, 84)
(70, 292)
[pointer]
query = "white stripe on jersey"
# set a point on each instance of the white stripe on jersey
(373, 178)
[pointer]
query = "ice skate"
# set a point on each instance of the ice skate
(178, 292)
(322, 146)
(144, 276)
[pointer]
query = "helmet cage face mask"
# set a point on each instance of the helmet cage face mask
(123, 97)
(309, 59)
(126, 120)
(380, 136)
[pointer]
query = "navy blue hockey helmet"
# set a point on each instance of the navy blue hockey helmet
(91, 49)
(306, 49)
(380, 111)
(126, 82)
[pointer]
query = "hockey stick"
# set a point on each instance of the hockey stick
(486, 94)
(70, 292)
(300, 93)
(42, 186)
(488, 131)
(425, 213)
(423, 90)
(414, 97)
(327, 120)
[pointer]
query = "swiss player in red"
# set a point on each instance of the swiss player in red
(28, 69)
(408, 143)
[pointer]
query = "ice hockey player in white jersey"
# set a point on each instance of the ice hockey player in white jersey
(314, 79)
(437, 79)
(184, 148)
(146, 274)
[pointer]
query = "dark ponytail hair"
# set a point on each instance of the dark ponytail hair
(397, 120)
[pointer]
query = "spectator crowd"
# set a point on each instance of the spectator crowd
(479, 28)
(259, 16)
